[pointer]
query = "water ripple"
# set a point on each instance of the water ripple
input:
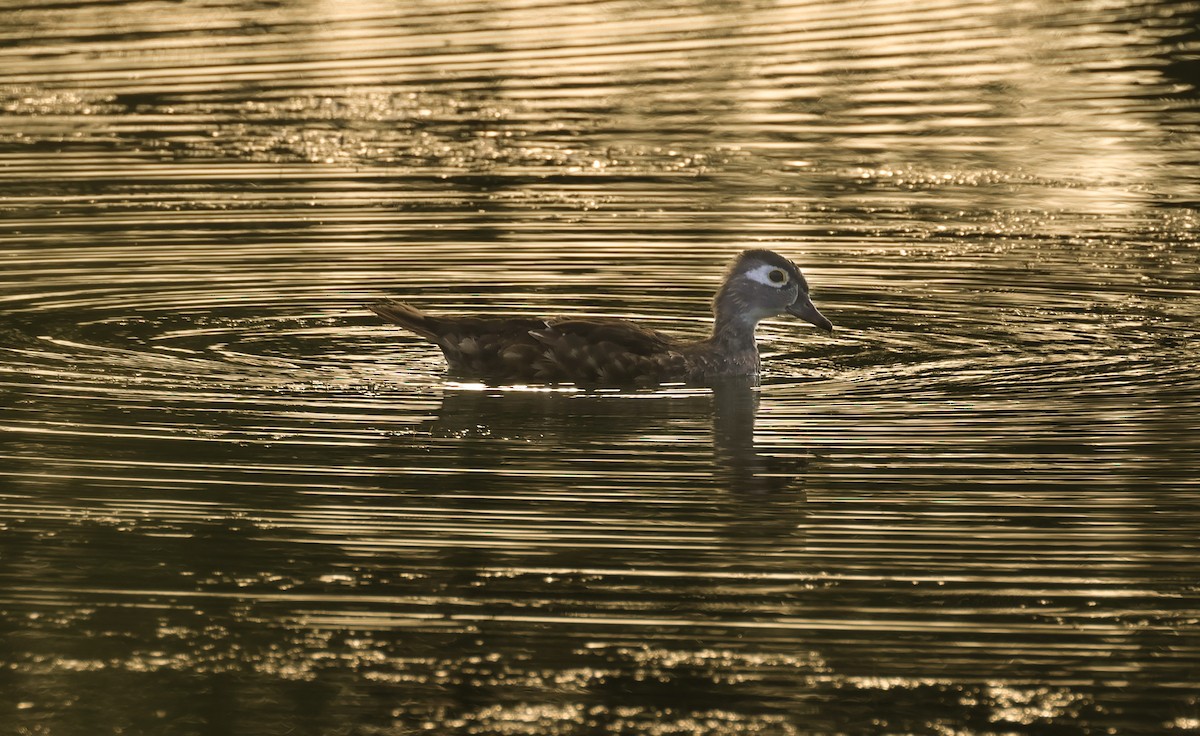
(970, 508)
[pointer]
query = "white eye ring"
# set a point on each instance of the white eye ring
(769, 275)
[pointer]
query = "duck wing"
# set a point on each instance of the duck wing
(607, 352)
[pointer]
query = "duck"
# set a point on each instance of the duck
(758, 284)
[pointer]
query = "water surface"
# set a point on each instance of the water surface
(233, 502)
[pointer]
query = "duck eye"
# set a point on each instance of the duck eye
(777, 276)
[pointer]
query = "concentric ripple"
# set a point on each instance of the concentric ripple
(994, 432)
(232, 501)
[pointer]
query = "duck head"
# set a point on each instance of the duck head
(760, 284)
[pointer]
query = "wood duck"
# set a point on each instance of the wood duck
(612, 352)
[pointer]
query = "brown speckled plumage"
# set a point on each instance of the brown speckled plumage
(612, 352)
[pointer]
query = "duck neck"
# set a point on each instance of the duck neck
(733, 334)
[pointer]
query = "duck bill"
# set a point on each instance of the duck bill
(804, 309)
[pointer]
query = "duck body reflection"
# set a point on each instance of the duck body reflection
(655, 428)
(758, 284)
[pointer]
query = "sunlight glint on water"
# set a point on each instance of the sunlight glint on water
(233, 501)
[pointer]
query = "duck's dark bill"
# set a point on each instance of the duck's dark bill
(804, 309)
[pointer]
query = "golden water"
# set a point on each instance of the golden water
(233, 502)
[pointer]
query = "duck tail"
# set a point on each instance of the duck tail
(408, 317)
